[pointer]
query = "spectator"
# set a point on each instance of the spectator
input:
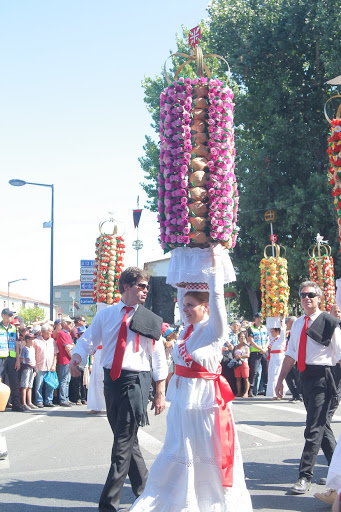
(79, 322)
(46, 358)
(65, 345)
(57, 327)
(242, 352)
(10, 357)
(27, 369)
(78, 391)
(258, 340)
(170, 336)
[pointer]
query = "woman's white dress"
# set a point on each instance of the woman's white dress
(275, 365)
(186, 476)
(95, 398)
(334, 472)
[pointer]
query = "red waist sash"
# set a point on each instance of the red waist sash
(223, 395)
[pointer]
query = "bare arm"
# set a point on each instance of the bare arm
(159, 402)
(75, 361)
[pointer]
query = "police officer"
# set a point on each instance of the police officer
(10, 357)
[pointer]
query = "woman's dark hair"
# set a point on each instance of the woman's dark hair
(278, 329)
(130, 276)
(201, 297)
(242, 332)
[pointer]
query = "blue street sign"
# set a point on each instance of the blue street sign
(87, 286)
(87, 263)
(87, 301)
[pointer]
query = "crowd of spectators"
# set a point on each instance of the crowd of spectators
(34, 361)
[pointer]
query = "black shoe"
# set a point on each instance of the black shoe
(322, 481)
(65, 404)
(301, 486)
(49, 405)
(19, 408)
(40, 406)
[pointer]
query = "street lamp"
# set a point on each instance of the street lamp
(10, 282)
(21, 183)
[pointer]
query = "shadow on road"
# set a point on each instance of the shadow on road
(61, 492)
(269, 485)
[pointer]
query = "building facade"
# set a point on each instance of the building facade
(66, 298)
(15, 302)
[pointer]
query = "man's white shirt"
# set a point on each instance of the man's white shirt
(104, 331)
(316, 354)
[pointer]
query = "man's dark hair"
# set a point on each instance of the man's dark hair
(130, 276)
(78, 318)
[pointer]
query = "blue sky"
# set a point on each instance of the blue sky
(72, 114)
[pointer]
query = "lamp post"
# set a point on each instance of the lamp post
(10, 282)
(21, 183)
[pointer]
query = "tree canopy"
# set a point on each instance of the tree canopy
(281, 54)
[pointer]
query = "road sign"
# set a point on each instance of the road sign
(87, 286)
(87, 278)
(87, 270)
(86, 293)
(86, 301)
(87, 263)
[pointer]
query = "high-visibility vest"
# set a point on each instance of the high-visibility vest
(8, 338)
(260, 336)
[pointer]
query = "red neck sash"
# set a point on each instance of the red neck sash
(223, 393)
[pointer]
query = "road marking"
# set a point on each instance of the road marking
(34, 418)
(262, 434)
(290, 409)
(149, 443)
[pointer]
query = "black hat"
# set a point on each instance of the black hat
(7, 311)
(258, 315)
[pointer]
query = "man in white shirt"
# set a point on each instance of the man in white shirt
(314, 361)
(127, 395)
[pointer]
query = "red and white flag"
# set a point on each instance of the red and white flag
(194, 36)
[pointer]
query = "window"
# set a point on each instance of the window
(23, 304)
(72, 294)
(4, 303)
(87, 308)
(13, 306)
(57, 295)
(71, 309)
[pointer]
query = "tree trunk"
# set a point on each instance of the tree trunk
(253, 298)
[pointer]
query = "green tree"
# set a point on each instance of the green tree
(31, 315)
(281, 54)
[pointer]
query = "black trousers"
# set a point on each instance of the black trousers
(317, 397)
(7, 365)
(126, 457)
(293, 380)
(255, 359)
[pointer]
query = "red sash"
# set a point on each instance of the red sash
(223, 393)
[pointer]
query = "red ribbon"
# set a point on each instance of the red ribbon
(223, 395)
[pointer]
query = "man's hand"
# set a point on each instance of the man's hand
(17, 365)
(159, 402)
(74, 362)
(279, 389)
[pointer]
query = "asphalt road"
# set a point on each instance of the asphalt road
(58, 459)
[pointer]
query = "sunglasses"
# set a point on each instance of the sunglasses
(310, 295)
(142, 286)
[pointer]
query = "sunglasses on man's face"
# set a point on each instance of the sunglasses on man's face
(310, 295)
(143, 286)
